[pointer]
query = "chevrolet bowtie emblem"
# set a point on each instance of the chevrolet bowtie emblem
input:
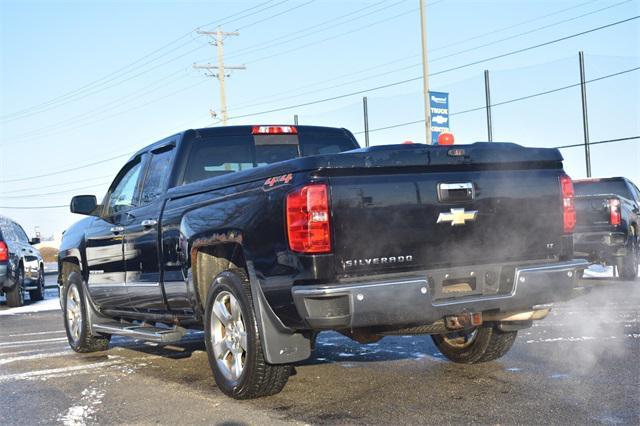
(457, 216)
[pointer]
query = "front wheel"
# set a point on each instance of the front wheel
(76, 320)
(482, 344)
(233, 343)
(15, 296)
(628, 264)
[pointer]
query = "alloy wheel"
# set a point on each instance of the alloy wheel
(74, 312)
(228, 335)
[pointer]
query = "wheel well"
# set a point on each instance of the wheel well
(209, 261)
(68, 266)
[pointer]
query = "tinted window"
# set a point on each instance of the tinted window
(8, 233)
(216, 156)
(212, 156)
(617, 187)
(157, 175)
(123, 196)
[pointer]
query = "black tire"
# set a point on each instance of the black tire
(83, 341)
(15, 296)
(483, 344)
(257, 378)
(38, 294)
(628, 264)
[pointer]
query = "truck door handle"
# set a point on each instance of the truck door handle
(117, 229)
(149, 223)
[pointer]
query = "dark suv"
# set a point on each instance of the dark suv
(21, 265)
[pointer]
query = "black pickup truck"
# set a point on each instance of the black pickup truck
(608, 223)
(263, 236)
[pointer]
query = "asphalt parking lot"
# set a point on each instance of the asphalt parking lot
(581, 365)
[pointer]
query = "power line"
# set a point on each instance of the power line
(55, 185)
(321, 27)
(274, 16)
(475, 37)
(45, 194)
(370, 89)
(480, 61)
(558, 147)
(102, 119)
(150, 88)
(599, 142)
(438, 58)
(28, 111)
(509, 101)
(72, 169)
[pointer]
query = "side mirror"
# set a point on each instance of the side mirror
(84, 204)
(34, 241)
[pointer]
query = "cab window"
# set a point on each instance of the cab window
(123, 195)
(157, 176)
(216, 156)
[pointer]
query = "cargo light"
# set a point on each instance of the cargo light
(308, 225)
(568, 206)
(4, 252)
(274, 130)
(614, 211)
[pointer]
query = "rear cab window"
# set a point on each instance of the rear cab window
(601, 187)
(214, 154)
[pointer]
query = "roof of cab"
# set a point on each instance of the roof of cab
(226, 130)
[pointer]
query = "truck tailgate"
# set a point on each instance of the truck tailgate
(388, 219)
(593, 212)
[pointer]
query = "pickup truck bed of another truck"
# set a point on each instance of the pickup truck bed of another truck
(608, 223)
(263, 236)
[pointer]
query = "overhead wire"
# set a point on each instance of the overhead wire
(119, 72)
(408, 80)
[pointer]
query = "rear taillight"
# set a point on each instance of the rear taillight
(4, 252)
(308, 226)
(614, 211)
(568, 207)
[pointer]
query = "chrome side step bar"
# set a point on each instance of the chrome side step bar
(141, 332)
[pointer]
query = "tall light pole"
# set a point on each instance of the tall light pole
(425, 71)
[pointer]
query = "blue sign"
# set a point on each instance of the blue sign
(439, 110)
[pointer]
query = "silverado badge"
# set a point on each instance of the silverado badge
(457, 216)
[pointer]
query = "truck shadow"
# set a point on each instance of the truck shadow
(331, 347)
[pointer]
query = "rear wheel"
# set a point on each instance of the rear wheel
(15, 296)
(483, 344)
(38, 294)
(233, 342)
(76, 320)
(628, 264)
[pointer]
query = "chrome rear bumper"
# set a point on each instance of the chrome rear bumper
(422, 300)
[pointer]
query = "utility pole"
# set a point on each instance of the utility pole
(365, 107)
(487, 96)
(425, 71)
(585, 115)
(218, 41)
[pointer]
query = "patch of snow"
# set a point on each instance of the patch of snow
(598, 271)
(31, 357)
(37, 374)
(45, 305)
(85, 410)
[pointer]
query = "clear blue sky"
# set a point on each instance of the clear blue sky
(55, 115)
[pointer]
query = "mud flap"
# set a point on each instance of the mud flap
(280, 344)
